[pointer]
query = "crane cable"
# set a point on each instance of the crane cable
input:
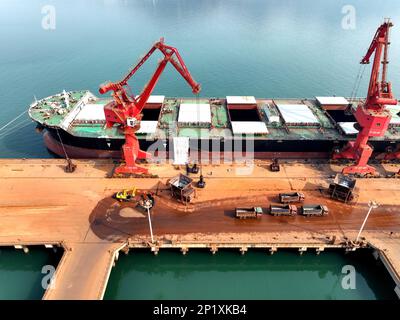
(353, 90)
(357, 83)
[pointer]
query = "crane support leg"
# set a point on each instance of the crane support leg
(374, 124)
(363, 153)
(131, 151)
(359, 151)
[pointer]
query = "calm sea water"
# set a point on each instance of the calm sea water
(256, 275)
(276, 48)
(21, 274)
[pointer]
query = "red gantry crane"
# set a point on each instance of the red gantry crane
(126, 109)
(372, 116)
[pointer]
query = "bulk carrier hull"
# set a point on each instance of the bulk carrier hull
(218, 128)
(87, 148)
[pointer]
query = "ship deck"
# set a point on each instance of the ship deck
(44, 205)
(56, 112)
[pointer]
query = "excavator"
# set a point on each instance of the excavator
(143, 199)
(372, 116)
(125, 109)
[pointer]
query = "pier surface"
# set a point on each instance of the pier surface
(43, 205)
(83, 271)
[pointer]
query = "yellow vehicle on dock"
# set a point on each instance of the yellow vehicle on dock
(143, 199)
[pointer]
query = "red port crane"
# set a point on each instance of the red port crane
(372, 116)
(126, 109)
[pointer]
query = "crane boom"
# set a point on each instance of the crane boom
(379, 91)
(125, 109)
(379, 34)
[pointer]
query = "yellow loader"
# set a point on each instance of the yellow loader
(143, 199)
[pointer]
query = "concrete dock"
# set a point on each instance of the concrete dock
(79, 262)
(43, 205)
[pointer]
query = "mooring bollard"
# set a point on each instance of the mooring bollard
(21, 247)
(272, 250)
(350, 249)
(302, 250)
(214, 249)
(184, 250)
(155, 250)
(375, 254)
(125, 250)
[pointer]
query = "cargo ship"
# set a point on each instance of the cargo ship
(218, 128)
(79, 124)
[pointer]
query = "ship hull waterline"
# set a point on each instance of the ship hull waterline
(281, 150)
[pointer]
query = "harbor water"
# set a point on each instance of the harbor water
(268, 49)
(23, 275)
(255, 275)
(273, 48)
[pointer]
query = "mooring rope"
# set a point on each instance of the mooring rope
(16, 118)
(62, 145)
(20, 125)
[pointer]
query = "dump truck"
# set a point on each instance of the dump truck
(291, 197)
(314, 210)
(283, 210)
(245, 213)
(143, 199)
